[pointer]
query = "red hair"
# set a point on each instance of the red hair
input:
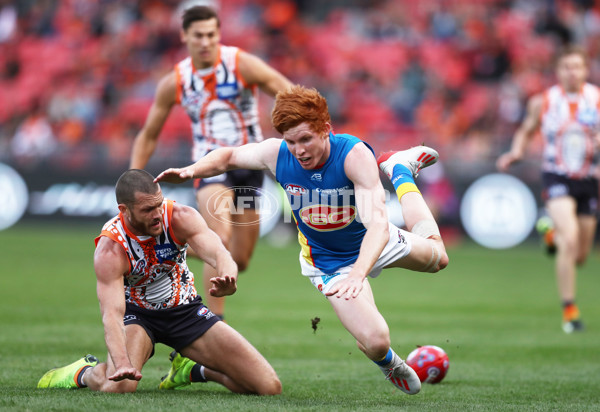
(297, 105)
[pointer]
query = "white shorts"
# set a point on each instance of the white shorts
(397, 247)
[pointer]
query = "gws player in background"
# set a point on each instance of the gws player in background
(144, 247)
(218, 86)
(338, 202)
(568, 117)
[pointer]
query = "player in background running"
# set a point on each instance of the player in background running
(567, 115)
(218, 86)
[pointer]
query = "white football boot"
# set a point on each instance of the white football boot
(403, 377)
(415, 159)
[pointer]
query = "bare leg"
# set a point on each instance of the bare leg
(245, 235)
(139, 347)
(213, 203)
(232, 361)
(402, 167)
(428, 253)
(587, 233)
(562, 210)
(361, 318)
(414, 210)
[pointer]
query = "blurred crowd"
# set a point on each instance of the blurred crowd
(78, 76)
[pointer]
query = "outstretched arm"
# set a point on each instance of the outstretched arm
(190, 227)
(361, 168)
(110, 264)
(254, 156)
(145, 142)
(523, 135)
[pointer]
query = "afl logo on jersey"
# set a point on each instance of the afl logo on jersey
(588, 116)
(205, 312)
(295, 190)
(325, 218)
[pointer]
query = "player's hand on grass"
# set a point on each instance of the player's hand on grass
(223, 286)
(348, 288)
(126, 373)
(175, 175)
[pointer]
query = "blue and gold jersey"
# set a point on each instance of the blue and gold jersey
(324, 207)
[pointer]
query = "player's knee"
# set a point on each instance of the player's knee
(581, 259)
(242, 263)
(270, 388)
(264, 381)
(444, 260)
(376, 344)
(242, 255)
(568, 244)
(439, 259)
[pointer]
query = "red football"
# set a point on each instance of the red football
(430, 362)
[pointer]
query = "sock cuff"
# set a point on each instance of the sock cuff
(197, 373)
(401, 174)
(79, 376)
(388, 358)
(405, 188)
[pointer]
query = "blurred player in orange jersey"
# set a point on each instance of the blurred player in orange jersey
(568, 117)
(218, 86)
(147, 296)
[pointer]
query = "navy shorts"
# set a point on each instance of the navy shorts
(245, 183)
(584, 191)
(175, 327)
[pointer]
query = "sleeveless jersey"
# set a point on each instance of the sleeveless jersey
(568, 124)
(222, 108)
(158, 275)
(324, 207)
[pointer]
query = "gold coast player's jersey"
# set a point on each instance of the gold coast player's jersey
(222, 107)
(158, 275)
(569, 124)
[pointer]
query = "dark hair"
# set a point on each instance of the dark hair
(196, 13)
(569, 50)
(132, 182)
(299, 104)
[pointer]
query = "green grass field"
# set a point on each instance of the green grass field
(495, 313)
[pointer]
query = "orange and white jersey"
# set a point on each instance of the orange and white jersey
(158, 275)
(222, 107)
(569, 123)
